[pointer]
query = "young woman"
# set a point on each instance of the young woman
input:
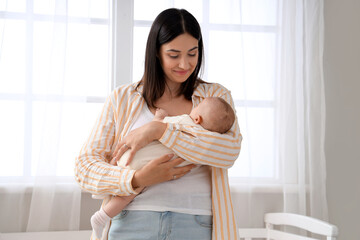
(191, 202)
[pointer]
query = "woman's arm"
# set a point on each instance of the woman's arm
(92, 170)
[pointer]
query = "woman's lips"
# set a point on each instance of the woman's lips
(182, 72)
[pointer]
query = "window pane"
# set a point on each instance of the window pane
(259, 12)
(225, 12)
(195, 7)
(99, 8)
(257, 157)
(13, 56)
(48, 59)
(11, 138)
(69, 125)
(79, 8)
(259, 65)
(44, 6)
(86, 71)
(226, 62)
(13, 5)
(87, 60)
(139, 45)
(247, 12)
(77, 121)
(236, 64)
(148, 10)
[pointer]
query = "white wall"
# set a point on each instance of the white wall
(342, 86)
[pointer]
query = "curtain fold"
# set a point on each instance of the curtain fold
(299, 121)
(54, 205)
(301, 108)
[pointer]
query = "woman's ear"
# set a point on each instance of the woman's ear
(197, 119)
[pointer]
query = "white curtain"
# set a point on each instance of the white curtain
(301, 102)
(54, 205)
(58, 50)
(299, 122)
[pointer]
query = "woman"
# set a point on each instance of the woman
(191, 202)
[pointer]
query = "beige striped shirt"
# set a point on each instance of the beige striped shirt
(95, 175)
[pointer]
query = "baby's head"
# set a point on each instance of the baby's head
(214, 114)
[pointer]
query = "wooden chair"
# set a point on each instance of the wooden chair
(323, 229)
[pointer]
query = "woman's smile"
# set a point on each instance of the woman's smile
(181, 72)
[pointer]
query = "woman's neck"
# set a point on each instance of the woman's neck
(171, 89)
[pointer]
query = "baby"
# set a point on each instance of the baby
(213, 114)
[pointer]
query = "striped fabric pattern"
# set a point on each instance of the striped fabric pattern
(195, 145)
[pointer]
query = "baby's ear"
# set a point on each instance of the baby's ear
(197, 119)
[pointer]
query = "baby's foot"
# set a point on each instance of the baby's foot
(98, 222)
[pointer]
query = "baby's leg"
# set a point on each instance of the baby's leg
(106, 213)
(117, 204)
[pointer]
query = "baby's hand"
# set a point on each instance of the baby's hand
(160, 114)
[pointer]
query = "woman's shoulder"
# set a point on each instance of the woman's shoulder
(208, 89)
(127, 88)
(125, 91)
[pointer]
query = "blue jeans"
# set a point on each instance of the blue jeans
(152, 225)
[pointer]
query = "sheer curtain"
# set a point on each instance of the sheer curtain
(301, 108)
(57, 53)
(299, 182)
(54, 205)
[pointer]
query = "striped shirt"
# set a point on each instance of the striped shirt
(219, 151)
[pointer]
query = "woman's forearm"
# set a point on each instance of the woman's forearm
(158, 129)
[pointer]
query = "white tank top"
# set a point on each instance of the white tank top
(190, 194)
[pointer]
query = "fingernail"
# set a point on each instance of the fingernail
(171, 155)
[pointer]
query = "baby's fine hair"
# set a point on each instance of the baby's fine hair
(225, 117)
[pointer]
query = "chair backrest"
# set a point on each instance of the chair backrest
(301, 222)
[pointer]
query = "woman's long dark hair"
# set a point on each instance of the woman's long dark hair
(168, 25)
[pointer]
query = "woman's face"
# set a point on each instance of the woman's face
(179, 58)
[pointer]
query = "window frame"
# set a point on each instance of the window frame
(123, 24)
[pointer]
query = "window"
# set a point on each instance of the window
(54, 68)
(240, 41)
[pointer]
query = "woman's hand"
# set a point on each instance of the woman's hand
(138, 138)
(160, 170)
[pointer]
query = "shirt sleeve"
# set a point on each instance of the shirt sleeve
(201, 146)
(92, 169)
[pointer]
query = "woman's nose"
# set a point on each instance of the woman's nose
(184, 63)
